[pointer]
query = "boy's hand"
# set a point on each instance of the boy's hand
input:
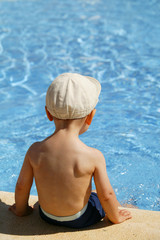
(124, 215)
(28, 211)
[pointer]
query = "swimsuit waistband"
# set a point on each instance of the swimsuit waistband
(66, 218)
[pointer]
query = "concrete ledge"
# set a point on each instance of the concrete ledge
(145, 225)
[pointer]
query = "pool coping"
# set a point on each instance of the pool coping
(145, 225)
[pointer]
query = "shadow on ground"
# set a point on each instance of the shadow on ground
(33, 224)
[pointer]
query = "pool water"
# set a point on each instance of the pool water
(116, 42)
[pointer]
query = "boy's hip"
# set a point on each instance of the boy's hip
(90, 214)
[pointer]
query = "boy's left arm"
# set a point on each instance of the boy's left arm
(22, 191)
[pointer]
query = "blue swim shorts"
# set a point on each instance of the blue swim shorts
(93, 214)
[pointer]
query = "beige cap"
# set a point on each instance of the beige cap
(72, 96)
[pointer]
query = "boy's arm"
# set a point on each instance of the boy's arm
(106, 193)
(22, 191)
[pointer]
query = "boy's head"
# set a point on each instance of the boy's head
(72, 96)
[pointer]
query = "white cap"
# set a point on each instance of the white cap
(72, 96)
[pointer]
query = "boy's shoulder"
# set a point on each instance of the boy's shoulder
(96, 152)
(34, 149)
(35, 152)
(97, 155)
(34, 146)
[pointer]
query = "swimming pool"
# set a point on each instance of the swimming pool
(116, 43)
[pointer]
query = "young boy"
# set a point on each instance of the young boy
(63, 166)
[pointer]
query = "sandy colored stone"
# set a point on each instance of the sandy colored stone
(145, 225)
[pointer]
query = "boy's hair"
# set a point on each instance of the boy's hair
(72, 96)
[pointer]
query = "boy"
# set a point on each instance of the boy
(63, 166)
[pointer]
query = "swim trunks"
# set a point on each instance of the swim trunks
(89, 215)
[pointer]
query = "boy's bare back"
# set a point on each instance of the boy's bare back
(63, 167)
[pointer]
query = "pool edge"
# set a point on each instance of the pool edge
(144, 225)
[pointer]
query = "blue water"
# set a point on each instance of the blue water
(117, 42)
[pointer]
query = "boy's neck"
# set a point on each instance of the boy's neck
(69, 126)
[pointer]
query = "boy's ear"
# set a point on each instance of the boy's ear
(50, 117)
(90, 117)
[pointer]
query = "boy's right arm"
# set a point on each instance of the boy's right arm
(106, 193)
(22, 191)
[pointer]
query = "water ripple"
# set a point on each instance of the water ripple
(42, 39)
